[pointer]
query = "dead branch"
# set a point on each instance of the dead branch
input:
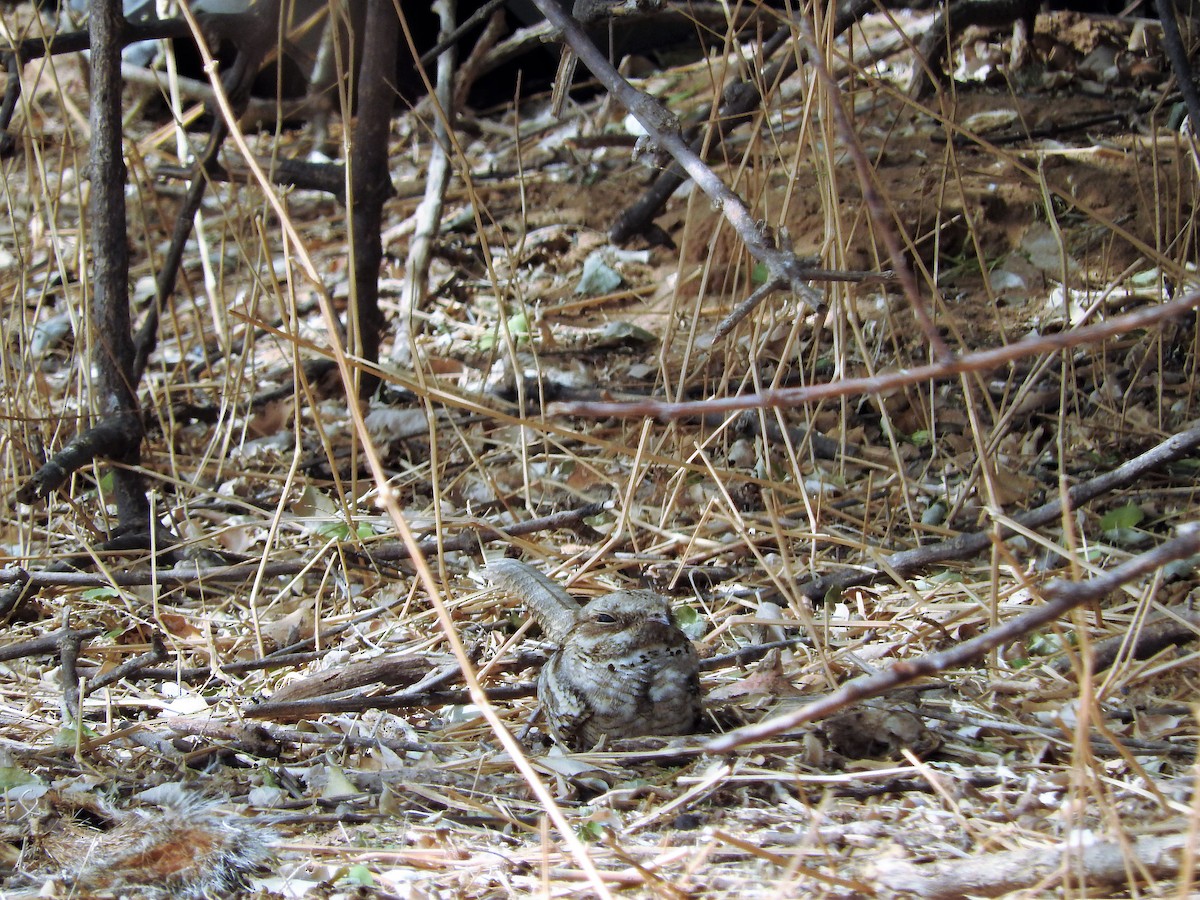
(329, 177)
(1181, 66)
(485, 531)
(887, 382)
(307, 709)
(47, 643)
(113, 354)
(446, 41)
(131, 667)
(784, 268)
(393, 669)
(479, 532)
(952, 21)
(429, 212)
(68, 660)
(258, 110)
(284, 735)
(253, 33)
(14, 58)
(419, 675)
(205, 673)
(738, 101)
(173, 576)
(1061, 597)
(967, 545)
(370, 185)
(1175, 625)
(108, 439)
(471, 69)
(884, 227)
(120, 356)
(246, 737)
(993, 874)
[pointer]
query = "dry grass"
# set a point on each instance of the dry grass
(1017, 756)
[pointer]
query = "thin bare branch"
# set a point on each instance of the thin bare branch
(884, 227)
(783, 266)
(980, 361)
(963, 546)
(1061, 597)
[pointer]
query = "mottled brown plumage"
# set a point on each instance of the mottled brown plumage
(622, 669)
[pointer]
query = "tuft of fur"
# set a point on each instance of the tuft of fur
(189, 848)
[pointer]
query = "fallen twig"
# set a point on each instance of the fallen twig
(887, 382)
(739, 100)
(884, 226)
(429, 212)
(131, 667)
(478, 532)
(68, 659)
(1175, 626)
(1181, 66)
(47, 643)
(966, 545)
(993, 874)
(1061, 597)
(175, 575)
(784, 268)
(307, 709)
(204, 673)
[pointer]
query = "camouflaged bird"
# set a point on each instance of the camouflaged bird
(622, 668)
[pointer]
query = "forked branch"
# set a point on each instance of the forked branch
(784, 267)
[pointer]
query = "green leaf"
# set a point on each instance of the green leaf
(101, 593)
(518, 325)
(922, 438)
(598, 276)
(625, 332)
(1181, 568)
(337, 784)
(690, 622)
(1048, 643)
(1120, 526)
(1127, 516)
(338, 531)
(760, 273)
(313, 503)
(1148, 278)
(14, 776)
(66, 737)
(590, 831)
(360, 875)
(946, 576)
(935, 513)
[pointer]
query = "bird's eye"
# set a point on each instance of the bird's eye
(606, 619)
